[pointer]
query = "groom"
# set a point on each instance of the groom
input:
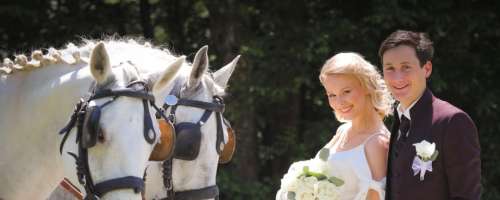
(453, 169)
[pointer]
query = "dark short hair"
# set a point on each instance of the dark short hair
(419, 41)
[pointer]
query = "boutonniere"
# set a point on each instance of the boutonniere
(426, 153)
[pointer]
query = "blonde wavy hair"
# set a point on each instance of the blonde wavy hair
(367, 74)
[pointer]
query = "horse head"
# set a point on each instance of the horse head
(116, 127)
(204, 137)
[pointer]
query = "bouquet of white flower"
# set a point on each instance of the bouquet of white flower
(310, 180)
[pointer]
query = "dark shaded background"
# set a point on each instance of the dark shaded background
(275, 100)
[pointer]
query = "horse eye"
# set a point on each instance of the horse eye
(100, 136)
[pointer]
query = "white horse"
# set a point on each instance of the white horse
(36, 103)
(194, 178)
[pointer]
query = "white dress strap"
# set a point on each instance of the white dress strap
(372, 136)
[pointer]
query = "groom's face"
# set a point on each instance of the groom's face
(404, 75)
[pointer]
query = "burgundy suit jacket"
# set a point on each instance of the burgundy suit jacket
(456, 172)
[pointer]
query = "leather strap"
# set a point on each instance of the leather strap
(216, 107)
(167, 179)
(148, 123)
(65, 130)
(203, 193)
(136, 183)
(197, 194)
(204, 117)
(220, 134)
(85, 171)
(127, 92)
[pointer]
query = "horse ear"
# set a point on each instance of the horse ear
(222, 75)
(99, 63)
(168, 75)
(200, 66)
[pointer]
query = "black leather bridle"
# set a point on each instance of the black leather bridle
(217, 107)
(78, 119)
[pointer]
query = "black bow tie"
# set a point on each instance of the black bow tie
(404, 126)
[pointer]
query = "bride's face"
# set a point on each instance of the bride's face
(345, 95)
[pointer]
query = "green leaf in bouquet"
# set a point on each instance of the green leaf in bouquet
(336, 181)
(321, 177)
(318, 176)
(306, 172)
(291, 196)
(434, 155)
(324, 153)
(305, 169)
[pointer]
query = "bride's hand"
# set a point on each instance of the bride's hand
(372, 195)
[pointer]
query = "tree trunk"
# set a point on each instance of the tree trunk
(120, 18)
(174, 22)
(224, 31)
(147, 26)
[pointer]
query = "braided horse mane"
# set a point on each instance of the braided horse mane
(132, 49)
(148, 58)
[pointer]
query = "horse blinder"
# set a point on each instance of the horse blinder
(91, 127)
(188, 140)
(229, 148)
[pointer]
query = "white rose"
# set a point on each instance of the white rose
(309, 188)
(309, 183)
(425, 149)
(305, 196)
(325, 190)
(308, 196)
(318, 166)
(290, 184)
(305, 191)
(296, 168)
(290, 180)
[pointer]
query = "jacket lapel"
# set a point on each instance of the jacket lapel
(421, 119)
(394, 132)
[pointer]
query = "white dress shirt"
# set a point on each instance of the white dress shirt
(406, 113)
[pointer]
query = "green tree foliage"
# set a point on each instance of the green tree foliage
(275, 99)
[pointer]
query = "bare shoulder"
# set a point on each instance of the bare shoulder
(376, 150)
(378, 142)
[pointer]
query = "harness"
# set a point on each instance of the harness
(188, 140)
(177, 140)
(86, 119)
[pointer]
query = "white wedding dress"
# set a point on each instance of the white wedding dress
(352, 167)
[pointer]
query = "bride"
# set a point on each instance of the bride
(358, 150)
